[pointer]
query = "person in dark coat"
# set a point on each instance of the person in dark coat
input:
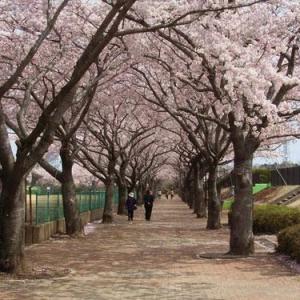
(148, 204)
(131, 206)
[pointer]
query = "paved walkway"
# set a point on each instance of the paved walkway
(152, 260)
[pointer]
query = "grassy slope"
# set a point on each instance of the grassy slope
(257, 188)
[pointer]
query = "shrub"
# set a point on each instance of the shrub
(289, 241)
(273, 218)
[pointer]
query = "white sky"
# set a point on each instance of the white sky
(293, 154)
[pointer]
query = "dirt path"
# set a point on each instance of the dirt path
(152, 260)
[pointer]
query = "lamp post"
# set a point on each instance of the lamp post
(28, 182)
(90, 196)
(48, 202)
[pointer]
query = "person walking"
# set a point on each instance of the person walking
(131, 206)
(148, 204)
(172, 194)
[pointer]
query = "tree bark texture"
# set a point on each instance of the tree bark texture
(187, 191)
(202, 210)
(214, 204)
(189, 196)
(194, 186)
(199, 201)
(12, 225)
(108, 207)
(241, 221)
(71, 212)
(241, 234)
(140, 194)
(122, 199)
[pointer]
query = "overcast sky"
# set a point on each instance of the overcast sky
(293, 155)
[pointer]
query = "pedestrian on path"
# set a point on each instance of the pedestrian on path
(131, 206)
(148, 204)
(172, 194)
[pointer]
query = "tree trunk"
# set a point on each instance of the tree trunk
(214, 205)
(71, 213)
(199, 201)
(189, 196)
(202, 211)
(122, 188)
(12, 225)
(140, 196)
(187, 191)
(108, 207)
(190, 190)
(241, 235)
(181, 189)
(184, 193)
(122, 199)
(195, 189)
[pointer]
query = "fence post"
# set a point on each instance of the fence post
(26, 204)
(280, 175)
(48, 203)
(90, 200)
(103, 199)
(30, 204)
(80, 201)
(57, 204)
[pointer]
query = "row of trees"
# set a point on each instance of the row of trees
(231, 89)
(115, 86)
(54, 57)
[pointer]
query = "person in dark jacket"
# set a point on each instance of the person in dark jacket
(148, 203)
(131, 206)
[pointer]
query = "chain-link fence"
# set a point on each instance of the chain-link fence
(43, 207)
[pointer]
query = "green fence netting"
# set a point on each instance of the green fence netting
(43, 207)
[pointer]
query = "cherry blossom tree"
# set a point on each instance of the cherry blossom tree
(241, 79)
(250, 75)
(116, 137)
(33, 147)
(209, 139)
(130, 145)
(146, 164)
(251, 92)
(106, 70)
(31, 32)
(13, 171)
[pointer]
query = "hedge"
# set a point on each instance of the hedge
(273, 218)
(289, 242)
